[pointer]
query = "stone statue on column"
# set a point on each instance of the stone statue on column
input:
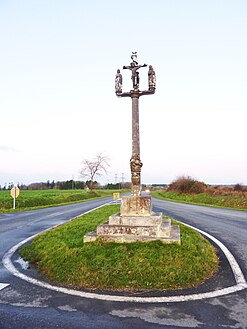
(118, 82)
(134, 67)
(151, 78)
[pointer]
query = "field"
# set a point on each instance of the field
(217, 198)
(63, 257)
(30, 199)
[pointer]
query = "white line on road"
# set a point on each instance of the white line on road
(239, 277)
(238, 274)
(3, 285)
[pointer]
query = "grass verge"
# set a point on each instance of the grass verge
(203, 199)
(36, 199)
(63, 257)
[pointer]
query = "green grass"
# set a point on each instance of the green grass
(63, 257)
(33, 199)
(204, 199)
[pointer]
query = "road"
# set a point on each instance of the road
(24, 305)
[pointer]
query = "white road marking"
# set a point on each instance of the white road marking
(238, 274)
(3, 285)
(239, 278)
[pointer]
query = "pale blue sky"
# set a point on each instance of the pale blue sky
(58, 61)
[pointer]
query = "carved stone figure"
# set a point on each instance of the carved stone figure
(118, 82)
(134, 58)
(134, 67)
(135, 79)
(135, 167)
(151, 78)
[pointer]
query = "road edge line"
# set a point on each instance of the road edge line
(238, 274)
(241, 283)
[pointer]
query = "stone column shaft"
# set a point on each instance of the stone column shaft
(135, 127)
(135, 161)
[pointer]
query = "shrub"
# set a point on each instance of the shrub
(187, 185)
(238, 187)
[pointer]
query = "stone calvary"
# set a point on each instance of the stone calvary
(136, 220)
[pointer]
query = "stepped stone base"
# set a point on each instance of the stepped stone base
(136, 222)
(173, 238)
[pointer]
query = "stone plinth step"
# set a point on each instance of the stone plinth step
(173, 238)
(153, 219)
(162, 230)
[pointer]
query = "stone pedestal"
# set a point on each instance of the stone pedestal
(136, 222)
(136, 206)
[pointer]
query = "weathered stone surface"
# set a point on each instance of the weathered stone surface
(173, 238)
(106, 229)
(136, 222)
(164, 230)
(90, 237)
(119, 229)
(136, 206)
(154, 219)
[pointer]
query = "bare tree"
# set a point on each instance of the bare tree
(94, 167)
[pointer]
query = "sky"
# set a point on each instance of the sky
(58, 61)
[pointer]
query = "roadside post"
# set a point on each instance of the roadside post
(116, 196)
(14, 192)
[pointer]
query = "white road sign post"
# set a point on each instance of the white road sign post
(14, 192)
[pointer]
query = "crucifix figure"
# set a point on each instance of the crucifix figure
(134, 94)
(134, 67)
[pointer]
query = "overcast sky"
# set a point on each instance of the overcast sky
(58, 61)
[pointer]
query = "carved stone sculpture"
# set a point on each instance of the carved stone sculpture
(151, 78)
(118, 82)
(134, 67)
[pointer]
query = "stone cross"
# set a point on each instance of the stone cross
(135, 93)
(136, 220)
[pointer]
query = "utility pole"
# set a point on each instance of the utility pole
(116, 178)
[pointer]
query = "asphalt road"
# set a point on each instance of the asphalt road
(24, 305)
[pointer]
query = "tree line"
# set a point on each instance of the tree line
(66, 185)
(91, 168)
(59, 185)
